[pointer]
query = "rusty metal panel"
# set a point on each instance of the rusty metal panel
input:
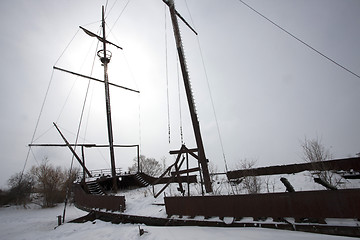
(346, 164)
(307, 204)
(91, 201)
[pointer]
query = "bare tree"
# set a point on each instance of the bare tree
(49, 182)
(270, 184)
(149, 166)
(252, 184)
(315, 151)
(217, 184)
(21, 185)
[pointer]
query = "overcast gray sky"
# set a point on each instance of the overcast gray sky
(269, 91)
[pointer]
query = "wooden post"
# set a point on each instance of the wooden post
(187, 174)
(83, 158)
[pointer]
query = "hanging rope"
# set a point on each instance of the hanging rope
(179, 96)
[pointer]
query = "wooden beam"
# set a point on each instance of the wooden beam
(184, 150)
(190, 170)
(95, 79)
(88, 145)
(345, 164)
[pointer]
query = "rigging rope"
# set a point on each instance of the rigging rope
(120, 15)
(36, 125)
(167, 75)
(139, 99)
(106, 4)
(32, 153)
(299, 40)
(83, 107)
(73, 85)
(110, 9)
(213, 106)
(139, 106)
(78, 133)
(210, 93)
(66, 47)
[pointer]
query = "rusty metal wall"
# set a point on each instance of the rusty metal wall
(307, 204)
(91, 201)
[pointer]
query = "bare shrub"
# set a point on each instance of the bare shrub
(21, 186)
(50, 182)
(315, 151)
(270, 184)
(251, 184)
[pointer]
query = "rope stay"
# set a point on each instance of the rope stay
(67, 46)
(91, 97)
(112, 6)
(83, 107)
(43, 104)
(299, 40)
(210, 92)
(37, 125)
(212, 105)
(78, 131)
(73, 85)
(121, 12)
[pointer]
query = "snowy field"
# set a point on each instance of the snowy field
(37, 223)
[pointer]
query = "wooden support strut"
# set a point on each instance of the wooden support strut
(190, 170)
(177, 167)
(73, 151)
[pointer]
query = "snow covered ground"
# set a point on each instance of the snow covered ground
(36, 223)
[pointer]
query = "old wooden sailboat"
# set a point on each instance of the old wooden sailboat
(278, 206)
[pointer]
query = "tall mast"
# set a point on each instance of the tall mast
(105, 59)
(190, 99)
